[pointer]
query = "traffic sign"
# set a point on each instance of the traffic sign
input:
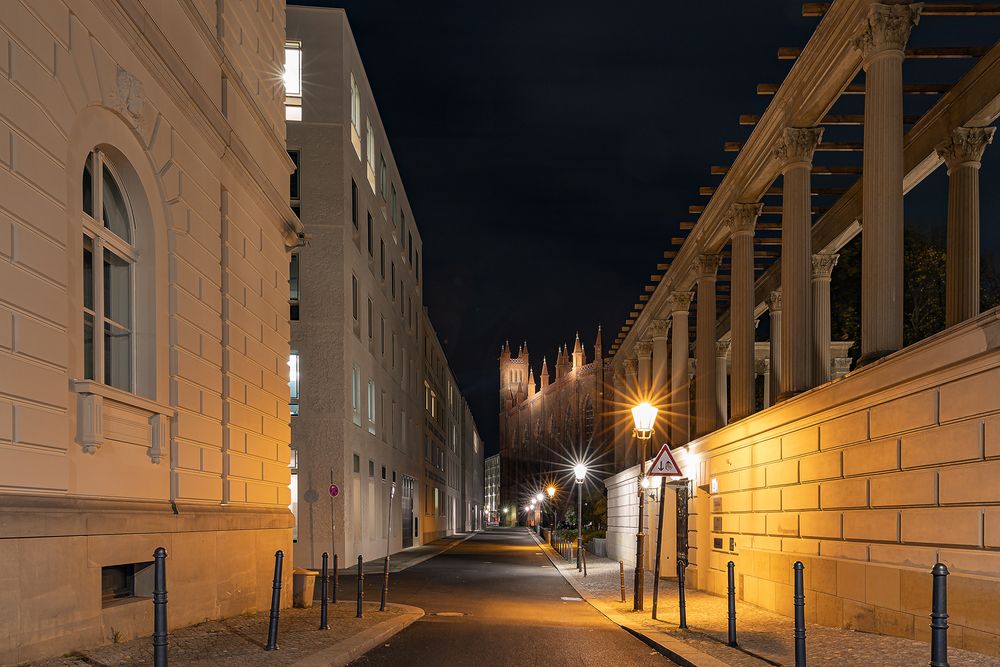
(664, 465)
(334, 490)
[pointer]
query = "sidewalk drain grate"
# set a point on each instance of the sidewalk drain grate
(449, 613)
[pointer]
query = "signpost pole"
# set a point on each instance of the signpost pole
(334, 492)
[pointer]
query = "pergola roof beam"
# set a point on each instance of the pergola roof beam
(813, 9)
(823, 146)
(859, 89)
(929, 52)
(832, 119)
(817, 170)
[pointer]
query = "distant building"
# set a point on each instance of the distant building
(492, 476)
(374, 403)
(143, 321)
(546, 428)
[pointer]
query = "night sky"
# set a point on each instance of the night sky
(549, 149)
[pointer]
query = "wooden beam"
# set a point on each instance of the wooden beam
(824, 146)
(859, 89)
(765, 210)
(833, 119)
(815, 9)
(760, 226)
(709, 190)
(817, 170)
(925, 53)
(662, 267)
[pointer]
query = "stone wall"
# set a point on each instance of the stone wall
(868, 480)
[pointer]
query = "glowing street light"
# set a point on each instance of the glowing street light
(539, 496)
(551, 491)
(644, 416)
(580, 472)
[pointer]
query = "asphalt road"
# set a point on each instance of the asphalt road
(505, 605)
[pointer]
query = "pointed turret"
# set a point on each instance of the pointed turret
(531, 383)
(524, 350)
(562, 362)
(545, 373)
(578, 356)
(598, 347)
(505, 350)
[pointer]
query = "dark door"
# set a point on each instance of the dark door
(407, 503)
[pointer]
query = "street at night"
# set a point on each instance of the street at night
(503, 603)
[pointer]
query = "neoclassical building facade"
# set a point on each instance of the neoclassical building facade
(871, 475)
(144, 225)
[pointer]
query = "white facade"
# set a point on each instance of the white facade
(143, 337)
(360, 337)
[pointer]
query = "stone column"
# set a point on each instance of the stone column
(644, 357)
(822, 268)
(722, 380)
(764, 369)
(881, 41)
(631, 391)
(679, 303)
(962, 153)
(774, 308)
(795, 151)
(707, 413)
(742, 221)
(660, 381)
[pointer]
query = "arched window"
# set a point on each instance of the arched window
(588, 421)
(109, 256)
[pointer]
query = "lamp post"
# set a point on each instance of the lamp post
(551, 491)
(580, 471)
(538, 511)
(644, 416)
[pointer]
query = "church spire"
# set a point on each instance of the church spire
(545, 373)
(578, 355)
(598, 346)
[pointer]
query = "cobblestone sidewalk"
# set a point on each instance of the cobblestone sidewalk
(240, 641)
(764, 637)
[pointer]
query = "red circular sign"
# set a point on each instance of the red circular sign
(334, 491)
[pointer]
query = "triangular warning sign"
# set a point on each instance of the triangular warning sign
(664, 464)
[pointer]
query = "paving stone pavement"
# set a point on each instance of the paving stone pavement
(238, 641)
(764, 637)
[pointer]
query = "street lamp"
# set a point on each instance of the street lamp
(580, 471)
(644, 416)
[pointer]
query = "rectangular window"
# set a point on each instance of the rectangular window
(371, 468)
(293, 80)
(293, 184)
(402, 430)
(371, 236)
(416, 267)
(354, 203)
(293, 383)
(381, 175)
(356, 395)
(381, 257)
(293, 286)
(392, 202)
(409, 247)
(393, 349)
(381, 325)
(357, 463)
(371, 406)
(370, 167)
(355, 104)
(371, 320)
(383, 473)
(121, 582)
(354, 296)
(392, 278)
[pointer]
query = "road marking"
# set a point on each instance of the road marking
(449, 613)
(571, 599)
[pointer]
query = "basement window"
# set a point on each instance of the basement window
(125, 583)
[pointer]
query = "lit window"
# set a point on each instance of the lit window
(355, 116)
(371, 406)
(356, 396)
(371, 153)
(293, 383)
(293, 80)
(109, 257)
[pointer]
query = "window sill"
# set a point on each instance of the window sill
(132, 419)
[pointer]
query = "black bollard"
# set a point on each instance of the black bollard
(323, 624)
(361, 584)
(385, 583)
(681, 602)
(272, 628)
(799, 601)
(160, 607)
(333, 581)
(732, 603)
(939, 617)
(621, 573)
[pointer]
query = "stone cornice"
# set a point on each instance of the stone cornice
(965, 146)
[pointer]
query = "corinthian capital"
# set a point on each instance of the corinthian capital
(773, 301)
(886, 28)
(966, 146)
(644, 348)
(679, 302)
(722, 348)
(823, 265)
(743, 218)
(659, 328)
(707, 265)
(797, 145)
(631, 367)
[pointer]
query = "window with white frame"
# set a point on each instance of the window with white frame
(371, 406)
(293, 383)
(356, 395)
(293, 80)
(109, 257)
(355, 116)
(370, 139)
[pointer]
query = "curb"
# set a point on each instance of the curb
(349, 650)
(674, 649)
(353, 569)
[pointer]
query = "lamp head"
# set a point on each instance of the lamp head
(644, 416)
(539, 496)
(551, 491)
(580, 470)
